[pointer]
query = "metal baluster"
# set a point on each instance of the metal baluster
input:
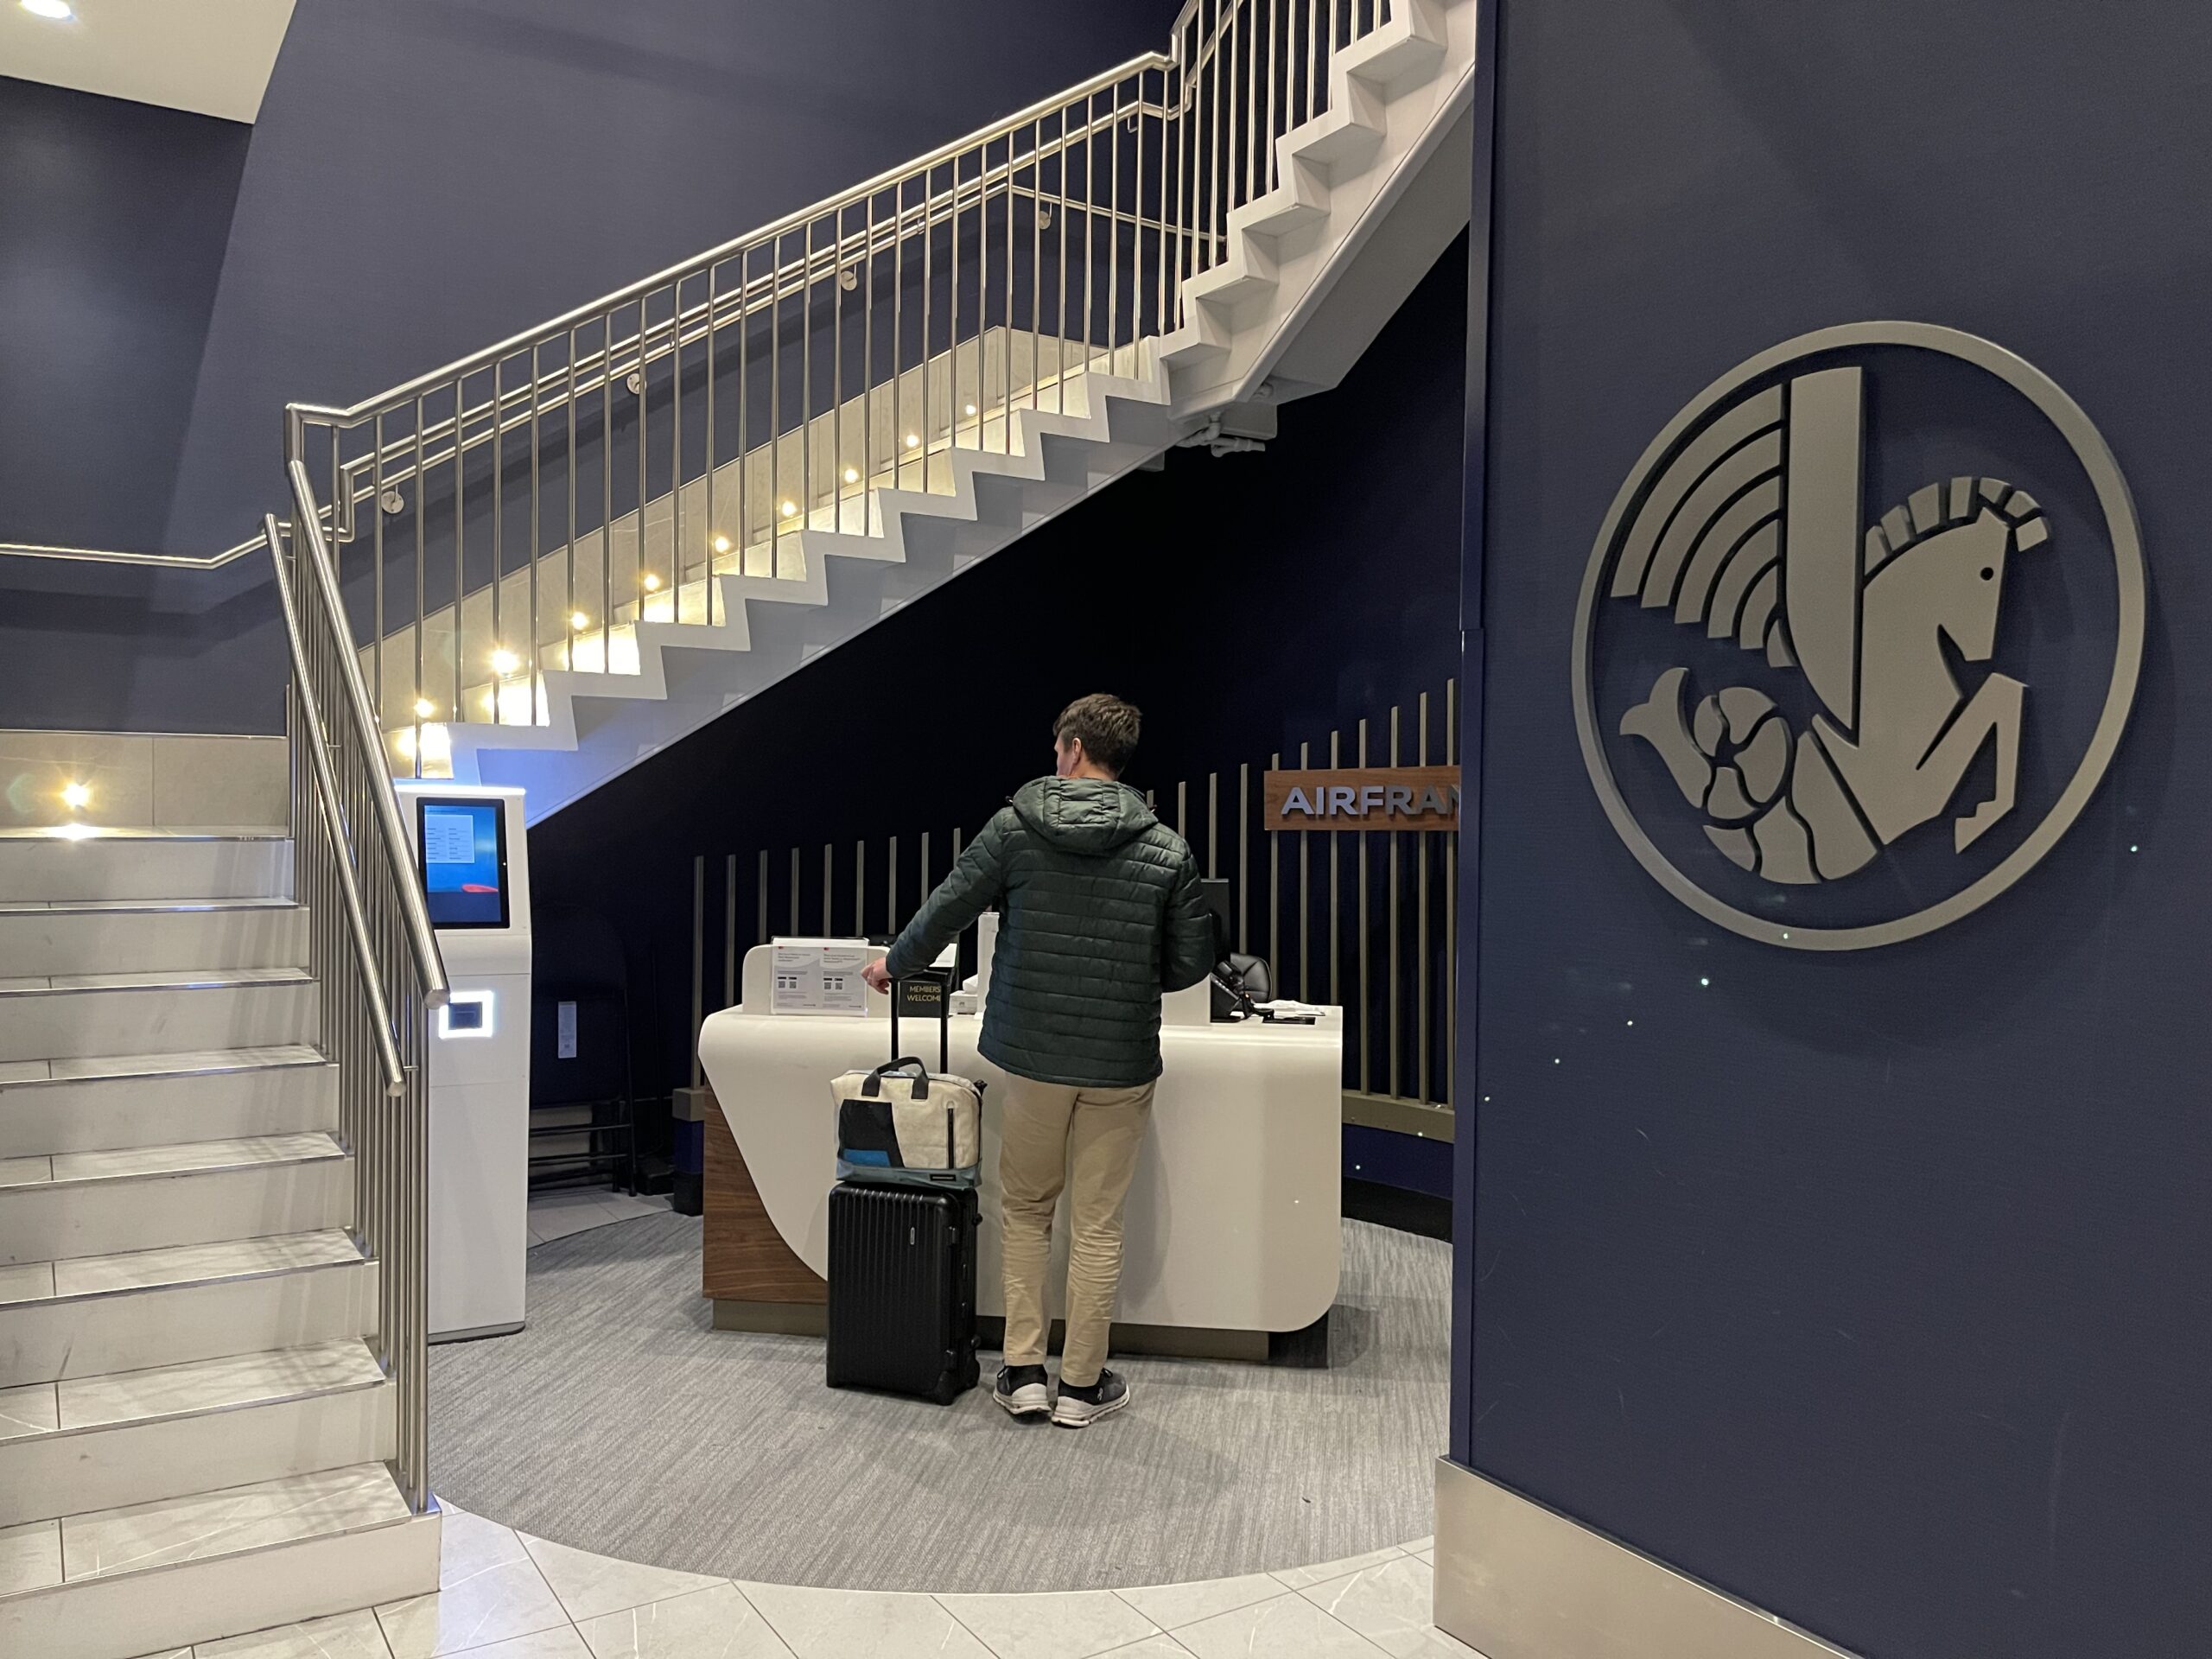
(1305, 904)
(376, 579)
(606, 494)
(1213, 826)
(1274, 892)
(1420, 929)
(929, 296)
(1243, 850)
(729, 869)
(1452, 898)
(891, 888)
(860, 889)
(537, 661)
(1006, 319)
(1036, 258)
(898, 333)
(676, 550)
(952, 327)
(569, 594)
(744, 538)
(639, 577)
(804, 500)
(1336, 936)
(1113, 223)
(421, 617)
(1060, 274)
(776, 417)
(499, 497)
(460, 575)
(1363, 1056)
(867, 361)
(1394, 839)
(714, 526)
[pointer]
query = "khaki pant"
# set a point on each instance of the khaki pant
(1053, 1136)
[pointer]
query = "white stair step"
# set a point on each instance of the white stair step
(152, 1578)
(147, 1198)
(1411, 44)
(148, 1100)
(40, 938)
(1249, 273)
(141, 1012)
(132, 1437)
(84, 1316)
(152, 864)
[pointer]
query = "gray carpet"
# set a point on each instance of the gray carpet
(619, 1422)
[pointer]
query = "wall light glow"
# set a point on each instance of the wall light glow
(75, 795)
(722, 544)
(54, 11)
(504, 661)
(424, 708)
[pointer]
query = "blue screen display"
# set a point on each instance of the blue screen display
(464, 863)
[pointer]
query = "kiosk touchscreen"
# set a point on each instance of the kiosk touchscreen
(473, 853)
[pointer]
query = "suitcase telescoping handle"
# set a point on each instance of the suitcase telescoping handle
(943, 1015)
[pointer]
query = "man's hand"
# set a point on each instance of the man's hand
(877, 975)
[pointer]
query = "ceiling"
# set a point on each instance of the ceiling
(213, 57)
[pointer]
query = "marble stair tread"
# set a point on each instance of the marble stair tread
(178, 1264)
(119, 1399)
(88, 1402)
(178, 1062)
(141, 832)
(182, 1158)
(138, 1537)
(137, 907)
(161, 980)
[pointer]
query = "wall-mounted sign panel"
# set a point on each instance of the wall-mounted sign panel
(1363, 798)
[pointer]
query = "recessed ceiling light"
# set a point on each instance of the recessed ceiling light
(57, 11)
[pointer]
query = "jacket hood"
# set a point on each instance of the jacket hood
(1090, 816)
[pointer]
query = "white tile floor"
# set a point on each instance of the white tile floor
(578, 1209)
(504, 1595)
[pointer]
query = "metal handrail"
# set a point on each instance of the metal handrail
(311, 732)
(368, 734)
(478, 362)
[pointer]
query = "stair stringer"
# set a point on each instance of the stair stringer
(597, 725)
(1394, 96)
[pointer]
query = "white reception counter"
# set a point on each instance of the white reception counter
(1234, 1218)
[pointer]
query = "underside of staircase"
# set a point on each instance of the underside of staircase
(562, 669)
(193, 1420)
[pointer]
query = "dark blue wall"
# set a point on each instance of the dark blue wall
(427, 176)
(1243, 603)
(1870, 1287)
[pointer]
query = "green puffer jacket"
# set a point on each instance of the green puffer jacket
(1103, 913)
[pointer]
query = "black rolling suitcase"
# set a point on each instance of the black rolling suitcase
(902, 1279)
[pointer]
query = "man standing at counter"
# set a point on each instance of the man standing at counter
(1103, 913)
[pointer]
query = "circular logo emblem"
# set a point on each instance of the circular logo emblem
(1860, 635)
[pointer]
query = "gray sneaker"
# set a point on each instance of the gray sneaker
(1021, 1389)
(1080, 1408)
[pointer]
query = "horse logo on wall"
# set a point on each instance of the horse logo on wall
(1860, 635)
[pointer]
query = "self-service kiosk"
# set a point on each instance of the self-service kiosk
(473, 857)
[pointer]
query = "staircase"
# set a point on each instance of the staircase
(194, 1420)
(567, 552)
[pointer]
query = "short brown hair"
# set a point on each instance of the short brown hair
(1105, 725)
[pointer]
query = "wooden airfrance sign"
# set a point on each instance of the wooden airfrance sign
(1363, 798)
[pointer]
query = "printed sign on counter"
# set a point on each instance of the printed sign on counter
(819, 979)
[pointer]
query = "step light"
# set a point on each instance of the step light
(424, 708)
(791, 509)
(971, 409)
(652, 582)
(913, 443)
(74, 796)
(579, 622)
(505, 662)
(54, 11)
(722, 544)
(853, 474)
